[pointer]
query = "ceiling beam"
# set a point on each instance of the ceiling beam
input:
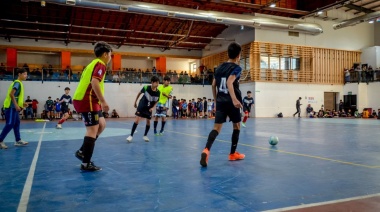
(362, 5)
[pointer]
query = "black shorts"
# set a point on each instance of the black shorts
(64, 110)
(91, 118)
(227, 109)
(143, 113)
(246, 109)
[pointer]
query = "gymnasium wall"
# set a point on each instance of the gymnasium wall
(371, 56)
(142, 63)
(120, 97)
(38, 58)
(180, 64)
(3, 56)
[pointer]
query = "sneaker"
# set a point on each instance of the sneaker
(59, 126)
(79, 155)
(155, 132)
(129, 139)
(236, 156)
(243, 124)
(90, 167)
(146, 139)
(161, 132)
(204, 157)
(21, 143)
(3, 146)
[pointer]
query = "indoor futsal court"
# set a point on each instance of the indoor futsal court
(318, 165)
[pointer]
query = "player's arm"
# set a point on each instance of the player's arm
(137, 97)
(96, 86)
(231, 79)
(213, 86)
(13, 98)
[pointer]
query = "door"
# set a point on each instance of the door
(330, 101)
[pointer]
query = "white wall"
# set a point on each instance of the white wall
(120, 97)
(272, 98)
(89, 46)
(38, 58)
(81, 60)
(349, 38)
(373, 96)
(137, 62)
(180, 64)
(371, 56)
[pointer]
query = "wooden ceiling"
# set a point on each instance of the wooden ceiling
(60, 22)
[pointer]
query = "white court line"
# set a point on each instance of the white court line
(23, 205)
(323, 203)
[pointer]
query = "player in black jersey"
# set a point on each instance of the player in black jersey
(247, 104)
(228, 101)
(146, 104)
(64, 101)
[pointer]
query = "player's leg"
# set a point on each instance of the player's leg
(147, 127)
(163, 122)
(235, 117)
(135, 123)
(245, 117)
(91, 120)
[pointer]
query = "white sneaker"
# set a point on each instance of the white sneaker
(243, 124)
(3, 146)
(146, 138)
(59, 126)
(21, 143)
(129, 139)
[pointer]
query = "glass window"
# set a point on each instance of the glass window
(296, 63)
(274, 63)
(285, 63)
(264, 62)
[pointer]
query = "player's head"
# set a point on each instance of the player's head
(300, 98)
(22, 74)
(49, 97)
(67, 90)
(234, 50)
(103, 51)
(249, 93)
(155, 81)
(166, 80)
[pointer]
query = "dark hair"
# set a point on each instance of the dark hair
(234, 50)
(67, 88)
(20, 71)
(167, 78)
(154, 79)
(101, 47)
(249, 92)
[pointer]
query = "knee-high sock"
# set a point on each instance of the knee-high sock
(163, 126)
(147, 127)
(235, 140)
(88, 148)
(211, 138)
(81, 148)
(245, 119)
(155, 123)
(134, 128)
(62, 120)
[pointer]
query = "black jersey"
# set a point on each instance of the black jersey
(150, 97)
(247, 103)
(221, 76)
(66, 100)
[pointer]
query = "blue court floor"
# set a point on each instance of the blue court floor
(316, 160)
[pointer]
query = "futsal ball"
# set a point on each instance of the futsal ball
(273, 140)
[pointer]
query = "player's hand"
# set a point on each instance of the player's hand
(26, 104)
(236, 103)
(135, 105)
(105, 107)
(18, 108)
(150, 110)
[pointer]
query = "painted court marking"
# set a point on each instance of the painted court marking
(23, 205)
(286, 152)
(323, 203)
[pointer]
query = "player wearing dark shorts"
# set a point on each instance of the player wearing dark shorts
(64, 101)
(146, 104)
(247, 104)
(226, 92)
(89, 100)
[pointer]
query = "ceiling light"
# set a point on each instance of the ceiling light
(146, 6)
(242, 27)
(70, 2)
(371, 21)
(319, 12)
(272, 5)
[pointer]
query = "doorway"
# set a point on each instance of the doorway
(330, 100)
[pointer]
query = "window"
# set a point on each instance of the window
(274, 63)
(296, 63)
(285, 63)
(264, 60)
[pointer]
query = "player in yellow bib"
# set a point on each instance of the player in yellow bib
(166, 91)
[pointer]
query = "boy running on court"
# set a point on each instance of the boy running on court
(146, 104)
(89, 100)
(166, 92)
(247, 104)
(228, 102)
(13, 104)
(64, 101)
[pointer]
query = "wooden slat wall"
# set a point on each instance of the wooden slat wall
(317, 65)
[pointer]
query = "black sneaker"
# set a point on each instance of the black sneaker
(79, 155)
(90, 167)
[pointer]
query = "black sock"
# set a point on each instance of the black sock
(134, 128)
(88, 148)
(211, 138)
(155, 124)
(147, 127)
(163, 126)
(235, 140)
(81, 148)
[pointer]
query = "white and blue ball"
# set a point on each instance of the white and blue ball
(273, 140)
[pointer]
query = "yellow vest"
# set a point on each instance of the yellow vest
(86, 78)
(167, 90)
(8, 99)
